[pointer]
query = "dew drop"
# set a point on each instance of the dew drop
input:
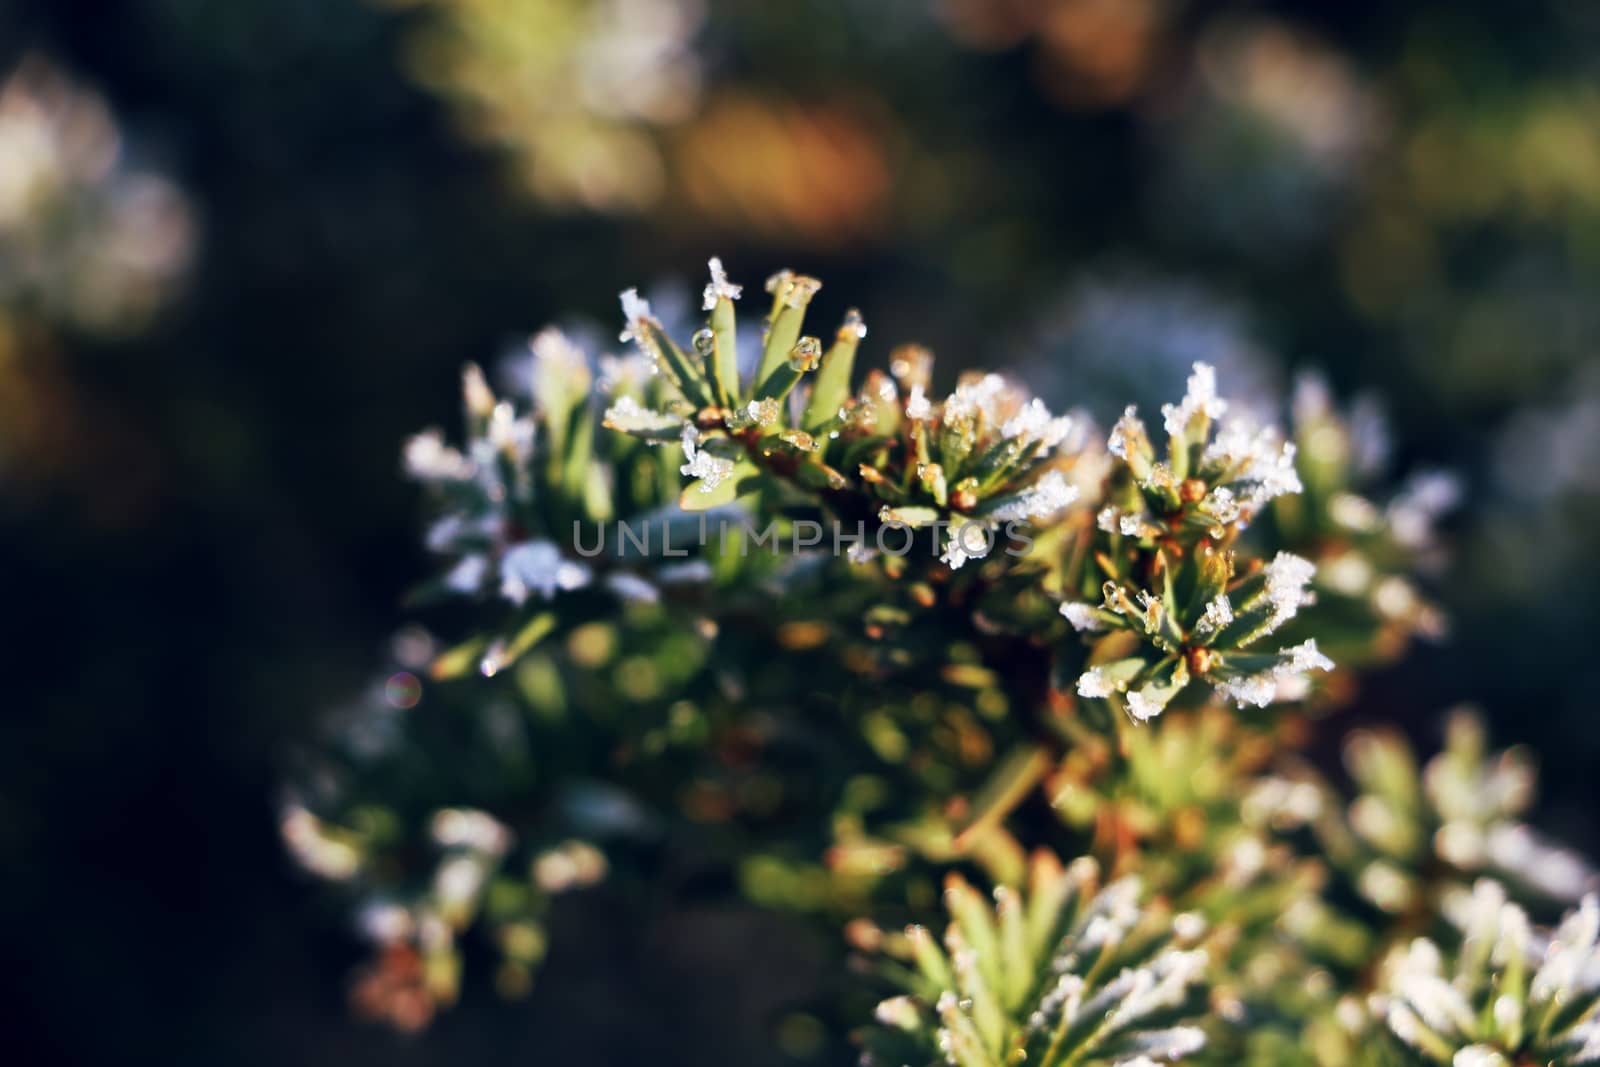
(705, 342)
(805, 355)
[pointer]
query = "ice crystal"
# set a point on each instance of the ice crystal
(1257, 455)
(1263, 688)
(964, 541)
(636, 312)
(1044, 498)
(1143, 705)
(1095, 685)
(793, 290)
(974, 398)
(1127, 429)
(711, 470)
(1218, 614)
(1288, 586)
(719, 286)
(1035, 423)
(1083, 617)
(1201, 399)
(758, 413)
(629, 416)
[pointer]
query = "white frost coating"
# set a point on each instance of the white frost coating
(628, 416)
(964, 541)
(1082, 617)
(1035, 423)
(1218, 614)
(1046, 497)
(917, 405)
(1126, 428)
(1143, 706)
(1477, 1056)
(636, 312)
(1094, 684)
(1257, 689)
(719, 286)
(975, 398)
(538, 567)
(1223, 506)
(1255, 454)
(1292, 667)
(1288, 578)
(711, 470)
(1201, 399)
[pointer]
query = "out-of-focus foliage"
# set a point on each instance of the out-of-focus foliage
(578, 90)
(92, 245)
(601, 104)
(86, 238)
(1510, 994)
(1063, 972)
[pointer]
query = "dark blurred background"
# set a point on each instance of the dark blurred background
(245, 248)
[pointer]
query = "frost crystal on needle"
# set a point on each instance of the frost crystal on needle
(1201, 399)
(711, 470)
(1035, 423)
(1288, 577)
(1050, 495)
(719, 286)
(1144, 707)
(1255, 454)
(1094, 684)
(636, 310)
(1218, 614)
(1082, 617)
(628, 416)
(1261, 689)
(1127, 428)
